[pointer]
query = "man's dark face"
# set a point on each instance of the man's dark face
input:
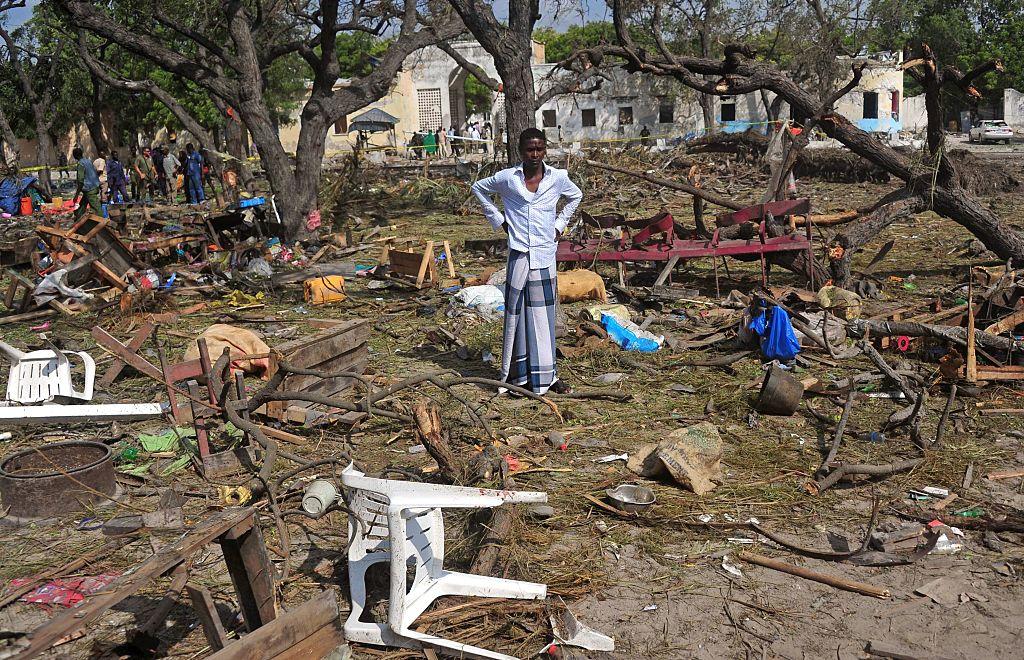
(533, 152)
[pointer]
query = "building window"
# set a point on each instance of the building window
(589, 118)
(341, 126)
(870, 105)
(728, 109)
(626, 115)
(549, 119)
(429, 104)
(666, 112)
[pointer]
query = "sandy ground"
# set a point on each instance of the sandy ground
(656, 584)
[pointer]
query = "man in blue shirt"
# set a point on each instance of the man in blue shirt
(88, 185)
(194, 172)
(530, 193)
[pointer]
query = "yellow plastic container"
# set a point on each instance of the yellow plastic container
(324, 290)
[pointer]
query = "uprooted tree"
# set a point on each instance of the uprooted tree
(228, 48)
(930, 182)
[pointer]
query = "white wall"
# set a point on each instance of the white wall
(1013, 108)
(915, 116)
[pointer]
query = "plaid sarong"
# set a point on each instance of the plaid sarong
(528, 353)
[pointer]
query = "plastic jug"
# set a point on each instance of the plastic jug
(26, 205)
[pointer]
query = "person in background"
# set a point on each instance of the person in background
(645, 136)
(13, 187)
(430, 144)
(117, 180)
(158, 169)
(171, 165)
(442, 142)
(100, 165)
(474, 134)
(142, 175)
(87, 185)
(194, 174)
(181, 181)
(453, 137)
(530, 193)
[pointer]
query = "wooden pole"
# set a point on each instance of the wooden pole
(807, 574)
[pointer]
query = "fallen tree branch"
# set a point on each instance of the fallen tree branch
(856, 470)
(668, 183)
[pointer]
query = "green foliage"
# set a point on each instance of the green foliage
(478, 96)
(560, 45)
(356, 51)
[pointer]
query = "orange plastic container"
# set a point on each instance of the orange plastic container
(26, 206)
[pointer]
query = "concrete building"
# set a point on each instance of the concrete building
(429, 93)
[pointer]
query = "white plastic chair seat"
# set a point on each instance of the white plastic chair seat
(44, 375)
(407, 515)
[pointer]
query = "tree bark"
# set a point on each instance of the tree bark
(520, 102)
(40, 105)
(236, 75)
(8, 140)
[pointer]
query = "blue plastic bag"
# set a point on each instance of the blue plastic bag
(778, 341)
(625, 338)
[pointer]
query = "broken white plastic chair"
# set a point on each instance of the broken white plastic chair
(46, 374)
(400, 522)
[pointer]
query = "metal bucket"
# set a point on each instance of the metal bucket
(56, 479)
(780, 392)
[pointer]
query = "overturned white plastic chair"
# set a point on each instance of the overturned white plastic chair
(400, 522)
(44, 375)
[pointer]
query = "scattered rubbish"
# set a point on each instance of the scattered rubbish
(65, 592)
(609, 378)
(844, 304)
(577, 285)
(324, 290)
(691, 456)
(650, 608)
(629, 336)
(249, 353)
(780, 393)
(319, 496)
(730, 568)
(234, 495)
(632, 498)
(570, 631)
(945, 591)
(611, 458)
(778, 340)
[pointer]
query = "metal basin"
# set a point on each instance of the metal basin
(632, 498)
(56, 479)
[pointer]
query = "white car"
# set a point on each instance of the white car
(991, 130)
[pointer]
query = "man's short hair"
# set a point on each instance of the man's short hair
(531, 134)
(76, 153)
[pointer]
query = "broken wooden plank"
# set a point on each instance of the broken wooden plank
(292, 633)
(136, 342)
(165, 559)
(251, 573)
(206, 610)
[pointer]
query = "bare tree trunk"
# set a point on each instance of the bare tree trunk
(8, 140)
(520, 102)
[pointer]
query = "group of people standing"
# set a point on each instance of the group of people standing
(444, 143)
(150, 172)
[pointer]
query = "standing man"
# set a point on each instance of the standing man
(87, 185)
(429, 144)
(100, 165)
(158, 170)
(194, 174)
(117, 181)
(442, 142)
(171, 164)
(530, 193)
